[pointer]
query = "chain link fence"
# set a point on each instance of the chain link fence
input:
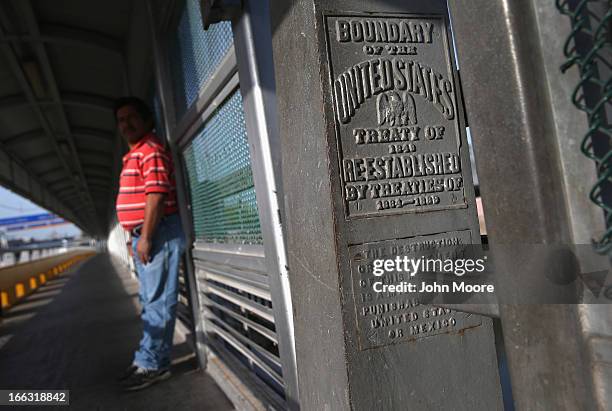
(589, 47)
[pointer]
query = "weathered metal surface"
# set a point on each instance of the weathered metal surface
(527, 119)
(359, 178)
(254, 56)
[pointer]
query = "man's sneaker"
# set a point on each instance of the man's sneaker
(142, 378)
(127, 373)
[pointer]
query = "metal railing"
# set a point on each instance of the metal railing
(229, 271)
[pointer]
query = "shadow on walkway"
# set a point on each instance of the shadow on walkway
(78, 332)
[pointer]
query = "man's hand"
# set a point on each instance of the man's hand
(154, 210)
(143, 249)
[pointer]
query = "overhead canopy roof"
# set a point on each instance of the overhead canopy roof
(62, 63)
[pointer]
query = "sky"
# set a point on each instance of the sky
(13, 205)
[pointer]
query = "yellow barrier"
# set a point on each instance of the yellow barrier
(19, 290)
(17, 281)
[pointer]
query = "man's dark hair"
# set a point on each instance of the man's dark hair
(141, 107)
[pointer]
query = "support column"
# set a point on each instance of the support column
(162, 78)
(359, 110)
(252, 40)
(537, 194)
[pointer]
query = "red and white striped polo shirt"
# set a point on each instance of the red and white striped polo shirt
(147, 168)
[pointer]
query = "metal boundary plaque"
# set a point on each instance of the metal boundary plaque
(396, 118)
(384, 318)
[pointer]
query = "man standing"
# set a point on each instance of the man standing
(146, 207)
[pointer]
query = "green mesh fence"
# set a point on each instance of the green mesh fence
(223, 200)
(195, 54)
(589, 47)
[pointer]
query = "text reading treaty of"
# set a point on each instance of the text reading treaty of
(395, 109)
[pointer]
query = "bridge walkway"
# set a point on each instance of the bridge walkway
(78, 332)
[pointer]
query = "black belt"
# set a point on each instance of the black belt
(136, 230)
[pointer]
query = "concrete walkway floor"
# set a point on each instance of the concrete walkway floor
(78, 332)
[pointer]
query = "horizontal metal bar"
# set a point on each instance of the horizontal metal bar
(274, 359)
(256, 383)
(187, 135)
(242, 249)
(245, 303)
(212, 327)
(251, 277)
(266, 332)
(238, 381)
(235, 282)
(226, 70)
(244, 257)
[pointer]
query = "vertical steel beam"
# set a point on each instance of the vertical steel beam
(162, 82)
(512, 106)
(253, 45)
(579, 176)
(350, 353)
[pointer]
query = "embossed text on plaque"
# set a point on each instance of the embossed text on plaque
(395, 111)
(385, 318)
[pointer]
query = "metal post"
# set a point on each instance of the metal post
(252, 42)
(166, 101)
(531, 178)
(337, 223)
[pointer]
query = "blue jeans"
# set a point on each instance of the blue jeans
(159, 293)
